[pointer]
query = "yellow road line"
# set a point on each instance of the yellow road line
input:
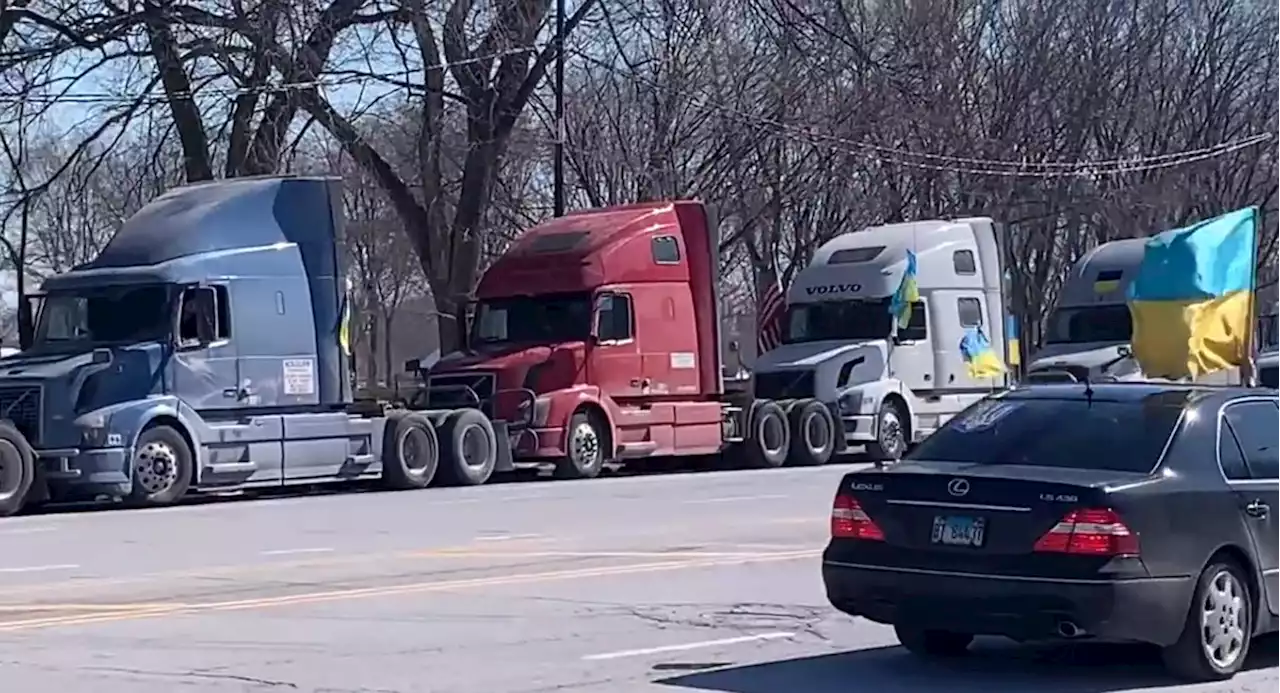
(162, 609)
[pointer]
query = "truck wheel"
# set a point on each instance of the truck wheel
(813, 430)
(892, 426)
(768, 436)
(469, 448)
(410, 452)
(17, 469)
(162, 467)
(584, 448)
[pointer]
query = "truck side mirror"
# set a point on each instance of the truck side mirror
(412, 366)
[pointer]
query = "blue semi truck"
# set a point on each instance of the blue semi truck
(204, 350)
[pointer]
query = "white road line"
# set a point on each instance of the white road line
(290, 552)
(40, 568)
(26, 530)
(621, 654)
(736, 499)
(508, 537)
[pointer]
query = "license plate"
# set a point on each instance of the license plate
(959, 531)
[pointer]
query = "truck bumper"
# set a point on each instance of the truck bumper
(859, 429)
(531, 444)
(74, 472)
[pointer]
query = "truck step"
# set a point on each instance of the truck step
(633, 450)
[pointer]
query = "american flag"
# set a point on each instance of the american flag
(770, 309)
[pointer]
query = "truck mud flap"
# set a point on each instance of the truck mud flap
(502, 437)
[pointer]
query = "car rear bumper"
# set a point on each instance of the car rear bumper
(1150, 610)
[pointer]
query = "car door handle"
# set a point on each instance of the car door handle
(1257, 509)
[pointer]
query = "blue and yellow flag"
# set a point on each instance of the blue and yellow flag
(908, 292)
(1011, 338)
(1192, 298)
(980, 359)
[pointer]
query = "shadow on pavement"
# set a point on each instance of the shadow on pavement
(989, 668)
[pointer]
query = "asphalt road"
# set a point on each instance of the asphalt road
(676, 583)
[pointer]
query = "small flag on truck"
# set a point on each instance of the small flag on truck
(770, 309)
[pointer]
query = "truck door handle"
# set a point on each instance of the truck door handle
(639, 382)
(1257, 509)
(235, 393)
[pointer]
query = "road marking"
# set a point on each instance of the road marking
(394, 590)
(663, 649)
(291, 552)
(39, 569)
(508, 537)
(736, 499)
(19, 608)
(26, 530)
(620, 554)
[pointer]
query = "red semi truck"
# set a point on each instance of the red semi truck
(596, 338)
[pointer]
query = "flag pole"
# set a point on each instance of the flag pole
(1250, 369)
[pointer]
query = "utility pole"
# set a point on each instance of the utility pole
(558, 151)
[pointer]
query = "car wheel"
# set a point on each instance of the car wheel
(1219, 627)
(933, 643)
(893, 427)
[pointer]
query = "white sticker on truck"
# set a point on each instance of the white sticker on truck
(683, 361)
(299, 377)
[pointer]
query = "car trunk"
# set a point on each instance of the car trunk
(976, 518)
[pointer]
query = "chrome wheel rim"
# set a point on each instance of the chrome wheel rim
(155, 467)
(1223, 620)
(415, 450)
(584, 445)
(475, 446)
(772, 434)
(817, 434)
(892, 438)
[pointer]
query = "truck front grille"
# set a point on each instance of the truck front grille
(797, 384)
(21, 404)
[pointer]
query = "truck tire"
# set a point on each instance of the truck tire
(468, 448)
(162, 467)
(17, 469)
(768, 436)
(813, 434)
(410, 452)
(585, 442)
(893, 428)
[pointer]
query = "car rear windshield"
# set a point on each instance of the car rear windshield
(1122, 436)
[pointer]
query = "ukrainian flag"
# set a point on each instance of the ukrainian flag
(908, 292)
(344, 328)
(1193, 296)
(980, 359)
(1011, 337)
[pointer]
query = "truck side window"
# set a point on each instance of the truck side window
(964, 263)
(666, 250)
(205, 312)
(970, 310)
(917, 326)
(615, 319)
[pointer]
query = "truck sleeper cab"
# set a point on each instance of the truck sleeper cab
(599, 332)
(202, 351)
(891, 385)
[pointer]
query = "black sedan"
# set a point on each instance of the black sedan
(1134, 512)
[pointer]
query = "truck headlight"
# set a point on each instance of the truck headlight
(93, 431)
(850, 403)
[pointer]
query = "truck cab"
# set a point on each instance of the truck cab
(595, 337)
(1087, 334)
(891, 385)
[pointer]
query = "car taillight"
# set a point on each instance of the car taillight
(1090, 532)
(850, 521)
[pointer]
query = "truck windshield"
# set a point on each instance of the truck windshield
(106, 315)
(838, 320)
(538, 319)
(1109, 323)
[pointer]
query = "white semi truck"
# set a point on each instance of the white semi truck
(890, 386)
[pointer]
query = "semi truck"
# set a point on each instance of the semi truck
(205, 350)
(890, 385)
(1089, 331)
(609, 320)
